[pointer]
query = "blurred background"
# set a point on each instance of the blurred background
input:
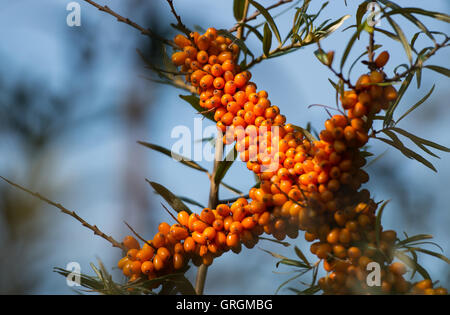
(74, 101)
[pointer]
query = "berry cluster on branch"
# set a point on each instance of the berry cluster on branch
(305, 184)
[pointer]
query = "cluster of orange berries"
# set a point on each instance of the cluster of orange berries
(309, 185)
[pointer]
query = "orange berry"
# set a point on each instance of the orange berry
(382, 59)
(130, 242)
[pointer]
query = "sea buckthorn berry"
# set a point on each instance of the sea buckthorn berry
(397, 268)
(206, 81)
(224, 56)
(209, 233)
(323, 250)
(135, 267)
(190, 51)
(230, 87)
(163, 253)
(207, 216)
(159, 240)
(349, 99)
(164, 228)
(181, 41)
(147, 267)
(203, 42)
(199, 238)
(363, 82)
(145, 254)
(390, 93)
(178, 261)
(203, 57)
(179, 58)
(158, 262)
(354, 252)
(189, 245)
(376, 77)
(122, 262)
(382, 59)
(232, 240)
(240, 79)
(130, 242)
(131, 254)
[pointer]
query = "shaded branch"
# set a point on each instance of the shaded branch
(255, 15)
(144, 31)
(93, 228)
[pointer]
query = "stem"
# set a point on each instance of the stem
(125, 20)
(93, 228)
(212, 203)
(255, 14)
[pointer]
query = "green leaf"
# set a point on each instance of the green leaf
(255, 31)
(415, 238)
(175, 156)
(412, 264)
(429, 252)
(407, 152)
(195, 103)
(292, 262)
(267, 40)
(191, 201)
(387, 33)
(350, 44)
(238, 9)
(268, 18)
(417, 139)
(393, 106)
(362, 9)
(306, 133)
(333, 26)
(322, 56)
(171, 199)
(241, 44)
(225, 165)
(301, 255)
(440, 70)
(378, 221)
(436, 15)
(402, 38)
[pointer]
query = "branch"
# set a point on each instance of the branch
(418, 64)
(212, 203)
(180, 24)
(230, 200)
(256, 13)
(93, 228)
(144, 31)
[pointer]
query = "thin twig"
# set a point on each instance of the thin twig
(230, 200)
(212, 203)
(139, 237)
(180, 24)
(418, 64)
(93, 228)
(256, 13)
(144, 31)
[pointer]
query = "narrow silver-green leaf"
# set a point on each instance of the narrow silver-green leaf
(224, 165)
(194, 101)
(171, 198)
(440, 70)
(176, 156)
(268, 18)
(267, 40)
